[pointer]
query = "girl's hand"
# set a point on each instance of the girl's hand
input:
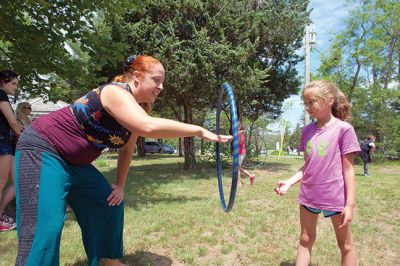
(116, 196)
(282, 187)
(205, 134)
(347, 216)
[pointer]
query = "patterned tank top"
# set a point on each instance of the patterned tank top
(100, 128)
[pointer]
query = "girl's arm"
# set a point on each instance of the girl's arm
(124, 162)
(350, 184)
(285, 185)
(124, 108)
(9, 115)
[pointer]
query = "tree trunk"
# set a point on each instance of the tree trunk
(140, 147)
(398, 65)
(355, 79)
(188, 142)
(180, 148)
(389, 61)
(202, 147)
(374, 74)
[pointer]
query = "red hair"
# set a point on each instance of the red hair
(141, 64)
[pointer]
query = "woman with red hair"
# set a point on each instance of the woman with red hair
(54, 156)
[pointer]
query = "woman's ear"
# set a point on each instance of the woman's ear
(137, 76)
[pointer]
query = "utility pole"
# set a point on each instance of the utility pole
(309, 41)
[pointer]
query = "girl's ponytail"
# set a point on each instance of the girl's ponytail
(341, 107)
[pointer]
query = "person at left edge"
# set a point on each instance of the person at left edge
(53, 164)
(9, 130)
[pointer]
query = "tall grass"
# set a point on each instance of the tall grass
(174, 217)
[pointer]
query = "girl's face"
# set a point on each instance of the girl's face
(151, 84)
(10, 87)
(316, 107)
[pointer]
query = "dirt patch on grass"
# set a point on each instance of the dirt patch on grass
(389, 170)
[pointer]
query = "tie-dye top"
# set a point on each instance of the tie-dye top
(100, 128)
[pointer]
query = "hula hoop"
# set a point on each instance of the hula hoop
(245, 163)
(235, 143)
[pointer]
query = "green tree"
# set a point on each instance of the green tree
(250, 44)
(294, 137)
(362, 61)
(37, 39)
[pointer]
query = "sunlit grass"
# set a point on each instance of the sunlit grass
(174, 217)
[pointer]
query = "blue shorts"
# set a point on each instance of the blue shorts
(318, 211)
(6, 149)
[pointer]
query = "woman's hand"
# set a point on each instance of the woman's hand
(116, 196)
(205, 134)
(282, 187)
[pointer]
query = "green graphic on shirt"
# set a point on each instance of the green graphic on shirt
(308, 149)
(321, 148)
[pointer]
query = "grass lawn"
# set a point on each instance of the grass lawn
(173, 217)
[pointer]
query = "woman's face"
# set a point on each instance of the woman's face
(27, 109)
(151, 84)
(10, 87)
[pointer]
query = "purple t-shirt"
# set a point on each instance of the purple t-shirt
(61, 129)
(322, 185)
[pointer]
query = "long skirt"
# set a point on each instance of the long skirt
(44, 184)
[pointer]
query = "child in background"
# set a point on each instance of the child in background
(367, 148)
(242, 155)
(327, 176)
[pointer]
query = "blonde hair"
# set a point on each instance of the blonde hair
(19, 108)
(323, 89)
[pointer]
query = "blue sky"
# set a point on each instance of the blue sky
(328, 18)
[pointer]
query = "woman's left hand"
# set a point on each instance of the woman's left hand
(213, 137)
(116, 196)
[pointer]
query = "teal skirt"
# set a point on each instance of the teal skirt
(44, 184)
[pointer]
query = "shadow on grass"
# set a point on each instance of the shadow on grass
(155, 156)
(274, 167)
(291, 263)
(144, 181)
(148, 184)
(288, 263)
(139, 258)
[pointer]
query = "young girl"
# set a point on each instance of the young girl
(242, 155)
(327, 176)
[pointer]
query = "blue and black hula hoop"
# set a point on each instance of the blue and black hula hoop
(235, 145)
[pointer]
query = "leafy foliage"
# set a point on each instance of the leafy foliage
(40, 39)
(363, 61)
